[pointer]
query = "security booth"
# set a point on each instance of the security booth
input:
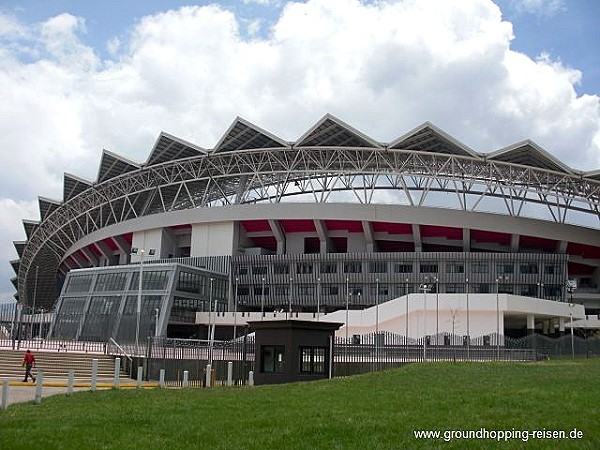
(293, 350)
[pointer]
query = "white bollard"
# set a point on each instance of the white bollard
(185, 378)
(251, 378)
(117, 373)
(4, 394)
(230, 373)
(208, 375)
(140, 373)
(161, 378)
(38, 386)
(94, 374)
(70, 381)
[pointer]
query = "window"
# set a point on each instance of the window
(272, 358)
(328, 267)
(455, 288)
(352, 267)
(528, 268)
(403, 268)
(550, 269)
(383, 290)
(79, 283)
(259, 270)
(356, 290)
(480, 288)
(306, 289)
(529, 290)
(505, 268)
(312, 360)
(281, 269)
(243, 270)
(282, 289)
(243, 289)
(111, 281)
(378, 267)
(480, 267)
(258, 290)
(455, 267)
(151, 280)
(330, 289)
(304, 268)
(428, 267)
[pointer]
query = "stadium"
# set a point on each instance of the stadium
(420, 236)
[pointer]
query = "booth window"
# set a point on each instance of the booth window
(272, 358)
(312, 360)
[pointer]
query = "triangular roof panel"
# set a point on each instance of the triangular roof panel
(15, 282)
(20, 247)
(170, 148)
(429, 138)
(243, 135)
(113, 165)
(30, 226)
(332, 132)
(47, 206)
(528, 153)
(15, 263)
(73, 186)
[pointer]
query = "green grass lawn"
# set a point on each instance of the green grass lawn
(378, 410)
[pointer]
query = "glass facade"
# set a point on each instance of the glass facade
(102, 303)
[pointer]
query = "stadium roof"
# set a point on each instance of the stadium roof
(331, 155)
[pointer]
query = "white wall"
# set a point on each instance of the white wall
(213, 239)
(148, 239)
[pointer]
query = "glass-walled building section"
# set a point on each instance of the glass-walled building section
(363, 280)
(97, 304)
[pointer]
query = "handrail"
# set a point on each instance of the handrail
(120, 348)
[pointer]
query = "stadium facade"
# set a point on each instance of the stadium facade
(333, 221)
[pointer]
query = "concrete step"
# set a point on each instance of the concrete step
(57, 364)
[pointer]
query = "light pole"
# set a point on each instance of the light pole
(571, 306)
(141, 252)
(347, 305)
(425, 287)
(290, 299)
(468, 327)
(262, 300)
(406, 313)
(235, 304)
(156, 311)
(211, 326)
(500, 278)
(318, 297)
(32, 313)
(437, 312)
(376, 306)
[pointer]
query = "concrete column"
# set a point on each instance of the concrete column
(530, 324)
(545, 327)
(561, 326)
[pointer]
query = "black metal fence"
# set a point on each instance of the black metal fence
(357, 354)
(379, 351)
(176, 356)
(564, 346)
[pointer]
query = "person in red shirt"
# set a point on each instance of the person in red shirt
(28, 362)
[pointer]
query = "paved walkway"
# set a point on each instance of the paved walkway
(19, 392)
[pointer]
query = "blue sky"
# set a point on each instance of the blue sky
(81, 76)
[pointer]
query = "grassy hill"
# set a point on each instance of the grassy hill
(380, 410)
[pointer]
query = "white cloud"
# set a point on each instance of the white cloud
(383, 67)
